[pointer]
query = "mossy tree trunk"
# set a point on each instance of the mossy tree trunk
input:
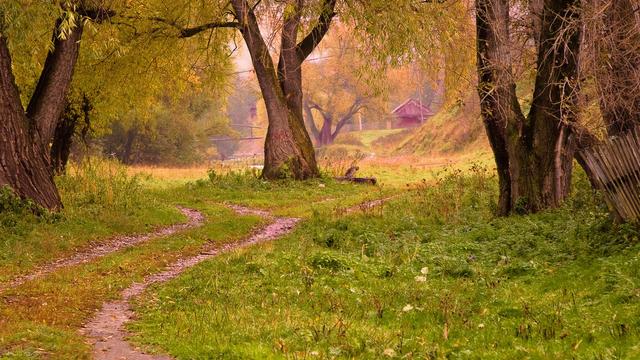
(533, 153)
(288, 148)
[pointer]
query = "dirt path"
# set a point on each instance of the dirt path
(106, 331)
(194, 219)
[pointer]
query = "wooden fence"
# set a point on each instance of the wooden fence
(615, 165)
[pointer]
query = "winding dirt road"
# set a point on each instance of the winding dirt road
(194, 219)
(107, 329)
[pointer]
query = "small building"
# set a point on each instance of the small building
(410, 113)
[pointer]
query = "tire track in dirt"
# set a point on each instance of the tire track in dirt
(194, 219)
(106, 330)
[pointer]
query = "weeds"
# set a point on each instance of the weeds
(337, 160)
(100, 183)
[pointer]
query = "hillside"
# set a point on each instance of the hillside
(453, 130)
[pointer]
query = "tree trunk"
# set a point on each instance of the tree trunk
(534, 155)
(62, 141)
(23, 162)
(24, 150)
(326, 137)
(66, 131)
(288, 148)
(496, 88)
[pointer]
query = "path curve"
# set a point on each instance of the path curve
(194, 219)
(106, 330)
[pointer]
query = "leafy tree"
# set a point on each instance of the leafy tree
(119, 67)
(332, 87)
(25, 166)
(299, 27)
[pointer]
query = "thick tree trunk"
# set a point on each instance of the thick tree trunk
(24, 150)
(23, 162)
(543, 148)
(288, 148)
(534, 155)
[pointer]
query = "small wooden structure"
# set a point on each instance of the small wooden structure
(615, 167)
(410, 113)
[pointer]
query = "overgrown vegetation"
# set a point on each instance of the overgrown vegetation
(101, 199)
(433, 274)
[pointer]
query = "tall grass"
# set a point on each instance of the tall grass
(98, 183)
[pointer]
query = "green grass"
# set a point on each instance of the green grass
(100, 201)
(41, 318)
(369, 136)
(432, 275)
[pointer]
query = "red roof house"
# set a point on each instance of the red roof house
(410, 113)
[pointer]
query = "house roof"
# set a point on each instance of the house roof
(412, 107)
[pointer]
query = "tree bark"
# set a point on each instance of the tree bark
(66, 131)
(24, 148)
(326, 136)
(534, 154)
(496, 88)
(288, 148)
(23, 162)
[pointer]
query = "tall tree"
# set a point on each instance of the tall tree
(533, 153)
(288, 148)
(24, 152)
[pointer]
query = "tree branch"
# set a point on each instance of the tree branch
(311, 41)
(309, 117)
(355, 107)
(191, 31)
(48, 99)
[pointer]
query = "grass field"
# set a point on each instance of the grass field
(432, 274)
